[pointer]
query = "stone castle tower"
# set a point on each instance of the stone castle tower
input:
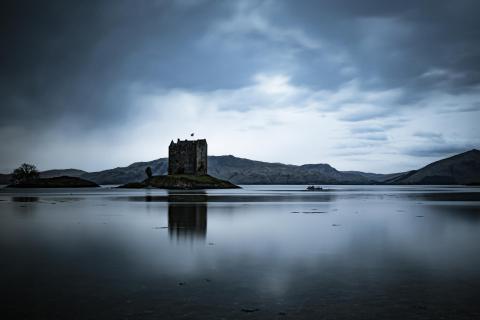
(187, 157)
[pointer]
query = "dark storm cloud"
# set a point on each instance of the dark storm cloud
(81, 57)
(87, 72)
(400, 43)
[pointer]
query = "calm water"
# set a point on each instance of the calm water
(263, 252)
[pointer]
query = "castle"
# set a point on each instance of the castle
(187, 157)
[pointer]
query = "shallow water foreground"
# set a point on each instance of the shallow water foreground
(263, 252)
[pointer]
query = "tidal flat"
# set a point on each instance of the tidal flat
(260, 252)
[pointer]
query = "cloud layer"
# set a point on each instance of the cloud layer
(374, 87)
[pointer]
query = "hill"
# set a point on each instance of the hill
(463, 168)
(245, 171)
(238, 171)
(62, 172)
(376, 177)
(131, 173)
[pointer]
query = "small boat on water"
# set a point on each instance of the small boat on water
(313, 188)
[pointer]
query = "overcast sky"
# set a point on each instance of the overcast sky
(381, 86)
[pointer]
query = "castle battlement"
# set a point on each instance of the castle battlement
(187, 157)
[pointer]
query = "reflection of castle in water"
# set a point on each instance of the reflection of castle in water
(187, 221)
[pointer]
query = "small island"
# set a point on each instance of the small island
(27, 176)
(56, 182)
(182, 181)
(187, 169)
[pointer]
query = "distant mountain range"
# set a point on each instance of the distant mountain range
(463, 168)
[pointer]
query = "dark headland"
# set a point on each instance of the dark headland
(55, 182)
(463, 169)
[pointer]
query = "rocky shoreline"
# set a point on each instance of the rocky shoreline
(185, 182)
